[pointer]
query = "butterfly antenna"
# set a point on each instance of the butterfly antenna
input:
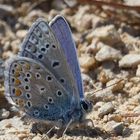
(91, 93)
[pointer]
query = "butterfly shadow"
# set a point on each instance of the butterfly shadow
(86, 131)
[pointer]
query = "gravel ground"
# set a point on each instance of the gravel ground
(108, 47)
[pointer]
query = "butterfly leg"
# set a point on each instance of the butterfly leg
(63, 130)
(47, 134)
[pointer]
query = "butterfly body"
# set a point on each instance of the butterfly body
(44, 80)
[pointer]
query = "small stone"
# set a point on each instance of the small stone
(116, 128)
(115, 117)
(104, 95)
(87, 62)
(6, 46)
(4, 114)
(103, 78)
(21, 33)
(7, 55)
(107, 34)
(37, 138)
(15, 46)
(82, 20)
(98, 105)
(129, 61)
(106, 109)
(107, 53)
(86, 79)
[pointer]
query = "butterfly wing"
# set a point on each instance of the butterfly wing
(36, 90)
(63, 34)
(41, 44)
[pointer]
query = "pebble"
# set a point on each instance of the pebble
(15, 46)
(7, 55)
(87, 62)
(37, 138)
(107, 34)
(106, 109)
(129, 61)
(118, 128)
(82, 20)
(21, 33)
(115, 117)
(4, 114)
(115, 127)
(103, 77)
(104, 95)
(107, 53)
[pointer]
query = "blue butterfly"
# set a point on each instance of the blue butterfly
(44, 79)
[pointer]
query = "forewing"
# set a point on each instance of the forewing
(63, 34)
(41, 44)
(35, 89)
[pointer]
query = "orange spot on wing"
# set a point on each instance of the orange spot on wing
(17, 74)
(18, 92)
(17, 82)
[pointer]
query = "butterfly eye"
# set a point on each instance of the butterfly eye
(86, 106)
(29, 104)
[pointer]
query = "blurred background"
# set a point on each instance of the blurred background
(107, 37)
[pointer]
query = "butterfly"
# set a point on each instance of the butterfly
(44, 79)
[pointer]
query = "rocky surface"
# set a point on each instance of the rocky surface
(108, 47)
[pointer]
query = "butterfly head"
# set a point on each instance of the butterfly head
(86, 106)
